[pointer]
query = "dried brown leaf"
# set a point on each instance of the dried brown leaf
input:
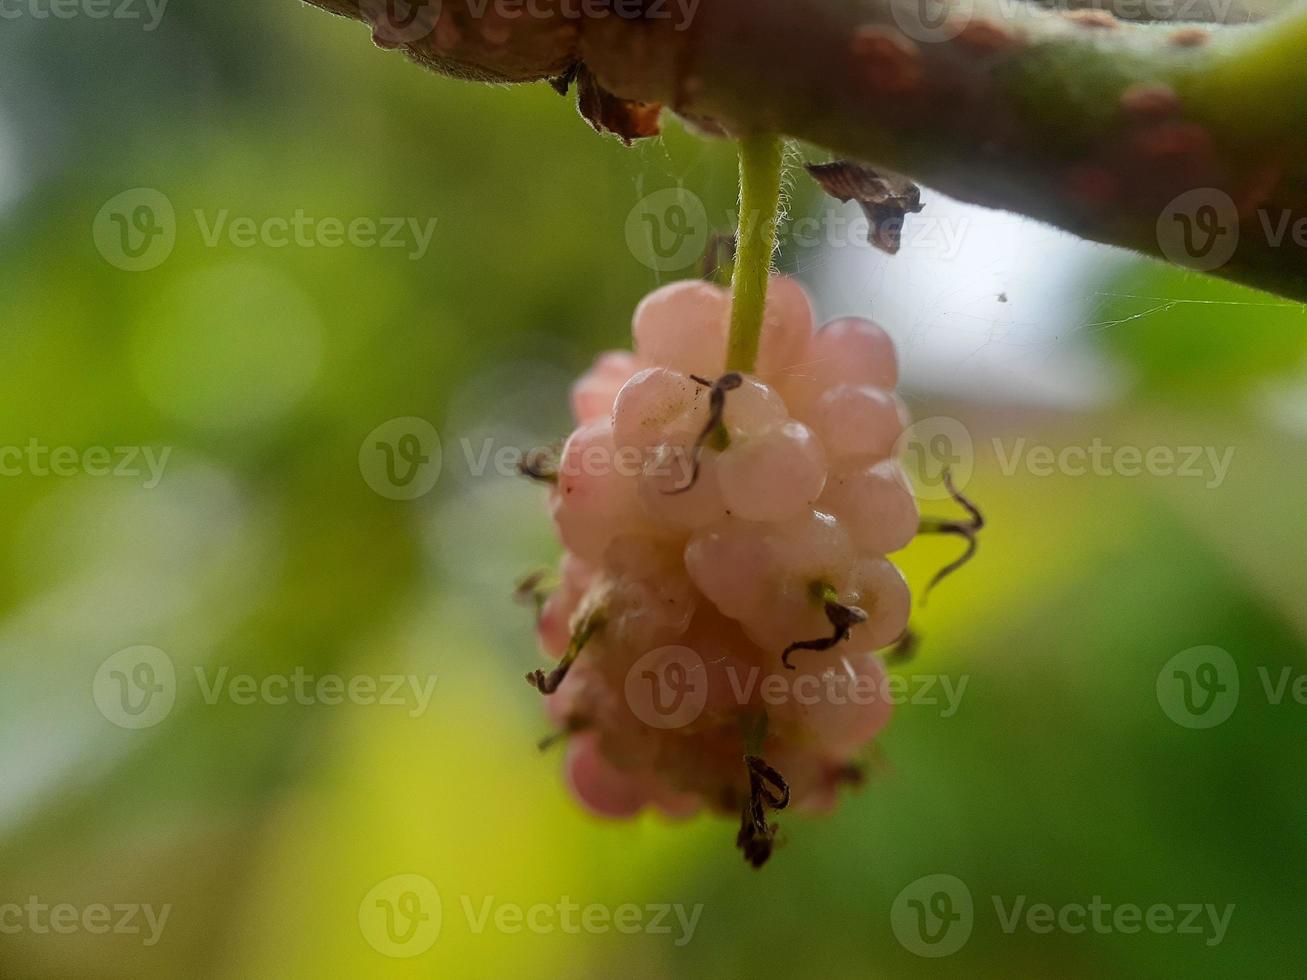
(886, 198)
(607, 113)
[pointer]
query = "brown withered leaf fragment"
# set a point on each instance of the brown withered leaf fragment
(885, 198)
(562, 83)
(607, 113)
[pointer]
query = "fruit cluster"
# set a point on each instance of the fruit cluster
(724, 588)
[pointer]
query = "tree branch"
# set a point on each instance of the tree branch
(1174, 141)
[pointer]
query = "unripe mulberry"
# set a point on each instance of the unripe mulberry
(724, 530)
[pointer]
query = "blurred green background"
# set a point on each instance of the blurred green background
(263, 549)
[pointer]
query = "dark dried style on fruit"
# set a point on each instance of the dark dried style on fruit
(767, 788)
(968, 529)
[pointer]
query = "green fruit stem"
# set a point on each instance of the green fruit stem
(761, 162)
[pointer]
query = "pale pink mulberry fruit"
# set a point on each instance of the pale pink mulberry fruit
(722, 529)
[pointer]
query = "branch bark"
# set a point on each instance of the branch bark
(1187, 143)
